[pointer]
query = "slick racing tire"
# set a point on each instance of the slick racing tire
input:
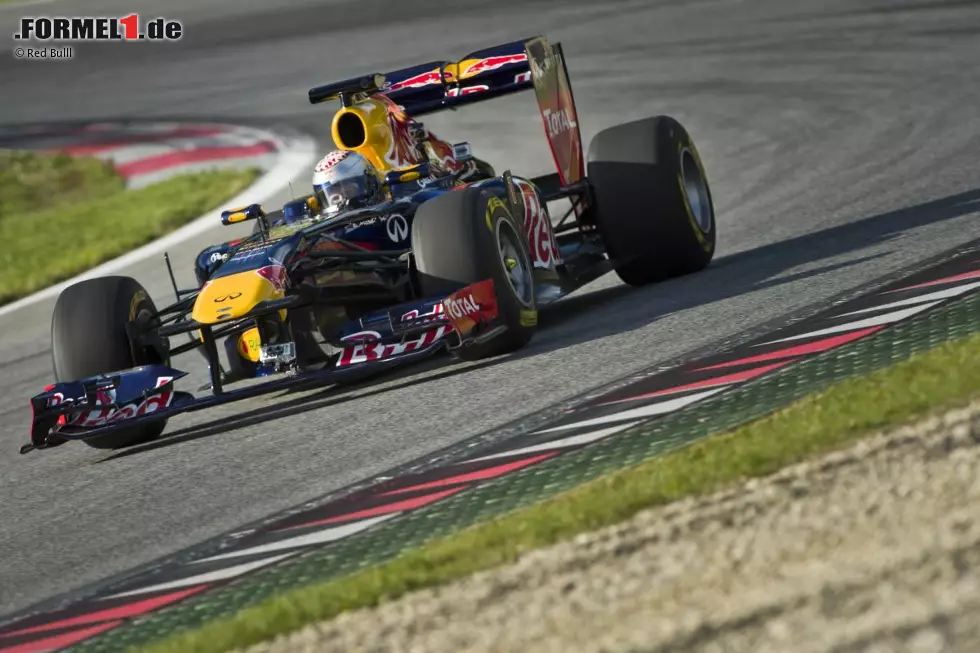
(461, 238)
(88, 337)
(653, 205)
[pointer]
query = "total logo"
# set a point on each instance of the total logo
(459, 308)
(557, 122)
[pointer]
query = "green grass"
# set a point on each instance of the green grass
(945, 376)
(32, 182)
(60, 216)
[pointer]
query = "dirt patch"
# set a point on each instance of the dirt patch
(875, 548)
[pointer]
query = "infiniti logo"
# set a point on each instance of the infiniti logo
(397, 227)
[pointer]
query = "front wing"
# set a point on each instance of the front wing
(88, 408)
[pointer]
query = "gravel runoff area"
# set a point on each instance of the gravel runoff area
(875, 548)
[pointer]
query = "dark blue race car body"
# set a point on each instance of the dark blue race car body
(457, 257)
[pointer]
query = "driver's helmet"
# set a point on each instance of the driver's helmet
(345, 180)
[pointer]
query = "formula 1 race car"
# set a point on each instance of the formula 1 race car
(455, 257)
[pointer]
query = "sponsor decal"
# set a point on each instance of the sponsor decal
(331, 159)
(276, 275)
(248, 252)
(250, 344)
(362, 336)
(363, 223)
(397, 227)
(443, 152)
(537, 227)
(217, 256)
(414, 314)
(467, 90)
(100, 417)
(134, 304)
(471, 306)
(558, 122)
(461, 307)
(403, 151)
(224, 298)
(493, 63)
(420, 80)
(492, 205)
(368, 352)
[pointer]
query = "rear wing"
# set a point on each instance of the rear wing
(500, 70)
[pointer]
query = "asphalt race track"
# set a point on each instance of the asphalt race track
(841, 140)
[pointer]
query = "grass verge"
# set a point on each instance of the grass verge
(60, 216)
(936, 379)
(32, 182)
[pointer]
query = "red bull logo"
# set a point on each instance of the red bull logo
(403, 150)
(492, 63)
(423, 79)
(102, 416)
(274, 274)
(443, 153)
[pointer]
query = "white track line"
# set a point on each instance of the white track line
(941, 294)
(660, 408)
(887, 318)
(317, 537)
(296, 155)
(563, 443)
(209, 577)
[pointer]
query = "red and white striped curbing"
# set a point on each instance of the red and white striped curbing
(148, 152)
(145, 153)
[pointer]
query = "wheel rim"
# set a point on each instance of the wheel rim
(517, 266)
(696, 190)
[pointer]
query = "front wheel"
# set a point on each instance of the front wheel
(467, 236)
(89, 337)
(653, 204)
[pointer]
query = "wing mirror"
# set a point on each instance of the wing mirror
(301, 209)
(462, 151)
(250, 212)
(406, 175)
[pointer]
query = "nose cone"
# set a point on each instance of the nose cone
(227, 298)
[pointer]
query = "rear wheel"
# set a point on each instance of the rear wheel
(653, 203)
(463, 237)
(89, 337)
